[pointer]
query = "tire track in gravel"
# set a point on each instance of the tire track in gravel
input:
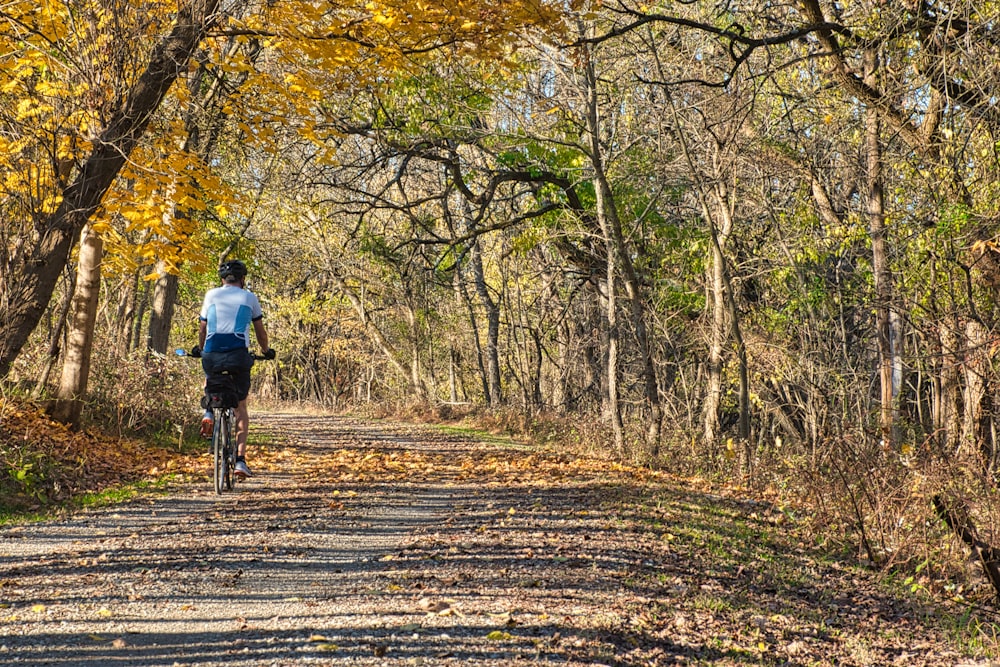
(195, 578)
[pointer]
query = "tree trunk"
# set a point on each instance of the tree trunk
(494, 396)
(124, 316)
(743, 397)
(719, 239)
(603, 205)
(416, 377)
(885, 324)
(977, 431)
(161, 307)
(593, 331)
(25, 290)
(80, 341)
(161, 313)
(453, 362)
(719, 314)
(947, 394)
(561, 397)
(142, 303)
(463, 295)
(536, 368)
(619, 260)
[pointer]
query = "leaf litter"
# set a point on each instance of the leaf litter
(380, 543)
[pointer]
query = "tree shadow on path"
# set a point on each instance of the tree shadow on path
(376, 543)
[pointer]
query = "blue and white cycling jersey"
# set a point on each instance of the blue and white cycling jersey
(228, 311)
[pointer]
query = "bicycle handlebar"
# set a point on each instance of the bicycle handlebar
(196, 352)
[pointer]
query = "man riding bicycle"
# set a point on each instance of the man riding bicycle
(224, 340)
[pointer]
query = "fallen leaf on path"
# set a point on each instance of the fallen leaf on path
(441, 607)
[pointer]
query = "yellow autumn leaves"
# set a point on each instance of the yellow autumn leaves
(153, 212)
(64, 65)
(527, 468)
(43, 129)
(60, 63)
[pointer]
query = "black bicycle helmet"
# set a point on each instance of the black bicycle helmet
(233, 270)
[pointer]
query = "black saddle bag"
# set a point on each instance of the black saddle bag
(220, 392)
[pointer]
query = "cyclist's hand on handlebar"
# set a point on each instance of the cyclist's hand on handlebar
(270, 354)
(195, 351)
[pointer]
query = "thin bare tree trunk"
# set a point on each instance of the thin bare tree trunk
(719, 314)
(124, 316)
(453, 361)
(719, 239)
(80, 341)
(494, 394)
(603, 204)
(142, 304)
(976, 432)
(886, 335)
(466, 300)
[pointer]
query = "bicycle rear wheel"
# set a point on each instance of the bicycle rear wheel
(220, 466)
(229, 456)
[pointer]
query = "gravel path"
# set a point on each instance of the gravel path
(196, 578)
(292, 568)
(368, 543)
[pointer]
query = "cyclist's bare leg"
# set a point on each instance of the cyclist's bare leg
(242, 428)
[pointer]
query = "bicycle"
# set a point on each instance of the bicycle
(221, 398)
(222, 404)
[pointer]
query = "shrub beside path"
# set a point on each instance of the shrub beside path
(377, 543)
